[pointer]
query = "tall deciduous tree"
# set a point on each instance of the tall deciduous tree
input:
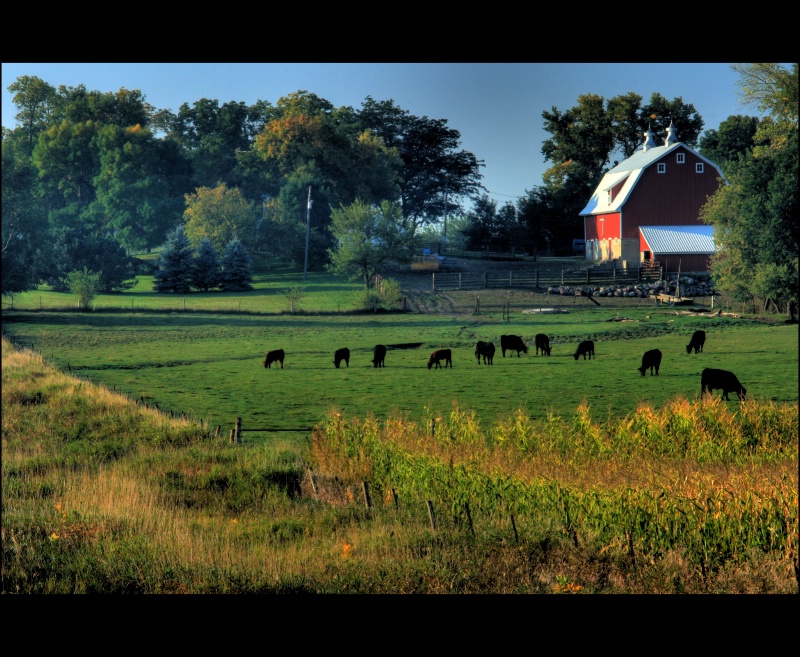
(24, 222)
(434, 171)
(732, 140)
(755, 217)
(220, 214)
(368, 236)
(35, 99)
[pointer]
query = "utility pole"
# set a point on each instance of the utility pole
(308, 228)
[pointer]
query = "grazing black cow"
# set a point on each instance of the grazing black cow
(724, 380)
(543, 343)
(651, 360)
(697, 342)
(485, 350)
(440, 355)
(274, 356)
(341, 355)
(378, 355)
(586, 348)
(512, 343)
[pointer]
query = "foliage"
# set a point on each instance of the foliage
(206, 268)
(755, 217)
(220, 215)
(175, 265)
(86, 284)
(75, 248)
(732, 141)
(237, 272)
(434, 172)
(369, 236)
(24, 223)
(294, 295)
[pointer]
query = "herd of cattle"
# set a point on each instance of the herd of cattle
(710, 379)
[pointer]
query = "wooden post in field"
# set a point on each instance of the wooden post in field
(431, 515)
(231, 436)
(469, 518)
(514, 527)
(313, 482)
(218, 431)
(396, 499)
(238, 429)
(367, 501)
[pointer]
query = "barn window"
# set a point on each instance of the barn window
(698, 168)
(662, 168)
(680, 158)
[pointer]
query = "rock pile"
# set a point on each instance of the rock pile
(696, 285)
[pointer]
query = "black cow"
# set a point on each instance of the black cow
(651, 360)
(485, 350)
(440, 355)
(512, 343)
(543, 343)
(697, 342)
(586, 348)
(378, 355)
(724, 380)
(274, 356)
(341, 355)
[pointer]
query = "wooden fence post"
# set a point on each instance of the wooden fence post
(217, 432)
(367, 501)
(238, 429)
(469, 518)
(313, 482)
(514, 527)
(433, 282)
(431, 515)
(395, 498)
(562, 277)
(510, 283)
(459, 280)
(537, 278)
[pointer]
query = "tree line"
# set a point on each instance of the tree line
(91, 178)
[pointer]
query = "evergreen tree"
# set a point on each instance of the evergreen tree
(207, 271)
(236, 272)
(174, 273)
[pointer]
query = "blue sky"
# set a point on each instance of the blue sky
(496, 107)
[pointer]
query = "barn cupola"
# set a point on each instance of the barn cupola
(672, 135)
(649, 139)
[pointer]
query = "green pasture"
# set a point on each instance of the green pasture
(322, 292)
(210, 366)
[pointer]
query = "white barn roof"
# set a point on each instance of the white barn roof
(632, 170)
(680, 239)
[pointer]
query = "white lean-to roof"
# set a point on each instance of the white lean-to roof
(631, 169)
(680, 239)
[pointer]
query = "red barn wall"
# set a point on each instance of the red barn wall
(673, 198)
(609, 229)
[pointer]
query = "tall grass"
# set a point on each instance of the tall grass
(103, 495)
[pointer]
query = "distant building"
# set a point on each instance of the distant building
(647, 208)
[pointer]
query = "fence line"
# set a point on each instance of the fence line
(542, 279)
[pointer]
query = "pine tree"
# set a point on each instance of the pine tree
(174, 273)
(206, 271)
(236, 273)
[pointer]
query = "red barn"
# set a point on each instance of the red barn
(658, 187)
